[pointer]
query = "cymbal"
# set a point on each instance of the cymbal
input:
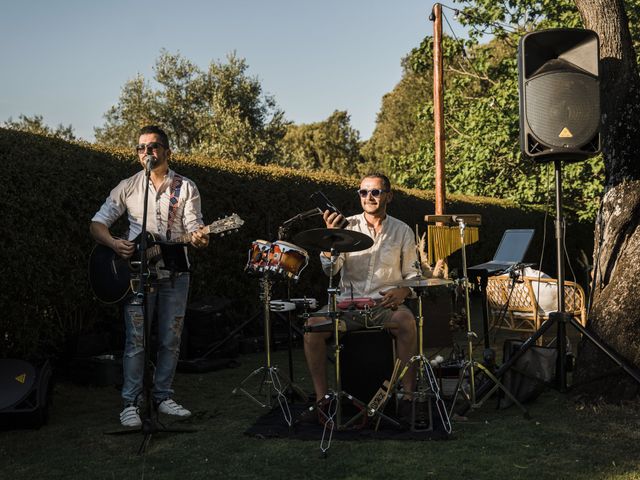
(420, 282)
(325, 239)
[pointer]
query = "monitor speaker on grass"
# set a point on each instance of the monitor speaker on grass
(25, 394)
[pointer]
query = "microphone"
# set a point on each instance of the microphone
(301, 216)
(283, 229)
(150, 162)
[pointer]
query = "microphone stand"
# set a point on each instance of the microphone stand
(473, 398)
(150, 424)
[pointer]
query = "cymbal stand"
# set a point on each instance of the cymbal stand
(427, 383)
(470, 365)
(272, 381)
(332, 418)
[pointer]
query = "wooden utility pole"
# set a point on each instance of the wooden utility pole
(438, 108)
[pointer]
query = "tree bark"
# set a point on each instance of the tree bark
(615, 311)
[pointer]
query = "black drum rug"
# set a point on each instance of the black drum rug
(273, 425)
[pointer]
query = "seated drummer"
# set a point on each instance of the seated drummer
(374, 272)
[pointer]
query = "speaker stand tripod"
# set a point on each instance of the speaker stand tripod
(470, 366)
(272, 382)
(561, 318)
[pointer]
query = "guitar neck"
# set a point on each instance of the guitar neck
(220, 227)
(186, 238)
(232, 222)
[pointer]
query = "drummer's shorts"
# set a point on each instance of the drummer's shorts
(373, 318)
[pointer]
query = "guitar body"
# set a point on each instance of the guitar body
(111, 276)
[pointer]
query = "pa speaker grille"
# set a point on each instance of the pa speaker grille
(561, 111)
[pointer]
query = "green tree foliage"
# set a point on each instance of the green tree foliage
(481, 109)
(36, 125)
(221, 112)
(135, 109)
(400, 129)
(331, 145)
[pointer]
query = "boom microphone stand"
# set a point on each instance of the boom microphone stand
(283, 233)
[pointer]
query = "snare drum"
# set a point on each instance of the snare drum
(287, 259)
(258, 256)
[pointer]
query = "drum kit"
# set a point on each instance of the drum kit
(281, 260)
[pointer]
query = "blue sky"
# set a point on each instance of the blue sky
(68, 59)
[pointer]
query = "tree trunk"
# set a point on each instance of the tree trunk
(615, 312)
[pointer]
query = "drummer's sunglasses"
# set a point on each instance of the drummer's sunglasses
(142, 147)
(374, 191)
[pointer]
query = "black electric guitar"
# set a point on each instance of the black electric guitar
(110, 275)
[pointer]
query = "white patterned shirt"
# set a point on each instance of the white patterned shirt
(128, 196)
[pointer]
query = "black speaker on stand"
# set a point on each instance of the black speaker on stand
(559, 94)
(558, 74)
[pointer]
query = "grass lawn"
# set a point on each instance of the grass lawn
(562, 440)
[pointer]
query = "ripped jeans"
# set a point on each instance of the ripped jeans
(171, 304)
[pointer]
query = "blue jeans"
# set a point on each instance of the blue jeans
(170, 300)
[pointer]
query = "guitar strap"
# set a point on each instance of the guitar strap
(176, 184)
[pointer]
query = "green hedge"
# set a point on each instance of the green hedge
(52, 188)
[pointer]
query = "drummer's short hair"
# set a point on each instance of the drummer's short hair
(385, 180)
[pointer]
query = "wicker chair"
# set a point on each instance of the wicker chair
(517, 308)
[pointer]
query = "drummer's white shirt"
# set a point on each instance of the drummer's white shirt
(391, 259)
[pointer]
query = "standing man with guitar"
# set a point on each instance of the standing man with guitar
(173, 211)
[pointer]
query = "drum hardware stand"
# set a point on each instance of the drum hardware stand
(279, 307)
(335, 241)
(427, 383)
(149, 417)
(470, 365)
(333, 416)
(272, 381)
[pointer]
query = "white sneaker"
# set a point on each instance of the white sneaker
(169, 407)
(130, 417)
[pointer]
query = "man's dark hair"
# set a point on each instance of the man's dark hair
(385, 180)
(156, 130)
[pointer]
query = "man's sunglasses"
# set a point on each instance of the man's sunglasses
(374, 191)
(142, 147)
